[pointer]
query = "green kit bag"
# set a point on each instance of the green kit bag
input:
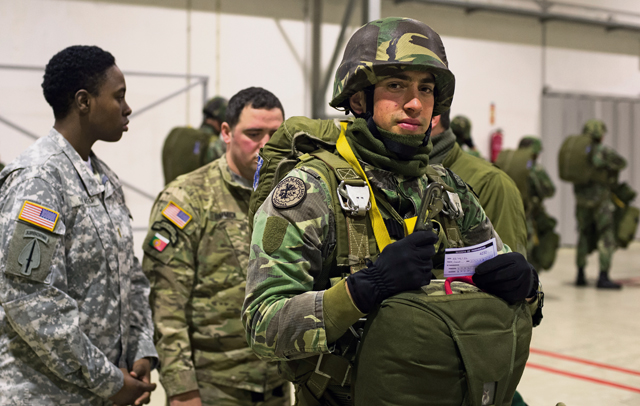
(544, 254)
(424, 348)
(574, 159)
(626, 220)
(517, 164)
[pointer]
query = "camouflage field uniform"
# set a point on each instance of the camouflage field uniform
(283, 316)
(74, 300)
(198, 285)
(595, 209)
(498, 195)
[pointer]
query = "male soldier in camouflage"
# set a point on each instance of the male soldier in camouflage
(594, 207)
(540, 187)
(461, 127)
(186, 149)
(497, 193)
(196, 253)
(75, 322)
(393, 77)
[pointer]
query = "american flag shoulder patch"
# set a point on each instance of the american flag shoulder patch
(176, 215)
(38, 215)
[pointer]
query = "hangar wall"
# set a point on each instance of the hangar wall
(496, 59)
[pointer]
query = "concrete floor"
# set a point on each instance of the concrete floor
(587, 349)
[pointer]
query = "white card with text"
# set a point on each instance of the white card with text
(463, 261)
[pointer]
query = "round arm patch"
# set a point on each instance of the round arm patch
(289, 192)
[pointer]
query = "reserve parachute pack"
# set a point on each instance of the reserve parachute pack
(184, 150)
(517, 164)
(468, 348)
(488, 322)
(574, 160)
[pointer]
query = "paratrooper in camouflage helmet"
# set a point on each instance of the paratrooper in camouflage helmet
(186, 149)
(461, 127)
(595, 208)
(307, 284)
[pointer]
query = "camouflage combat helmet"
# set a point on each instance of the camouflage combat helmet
(216, 108)
(461, 127)
(531, 142)
(386, 47)
(594, 128)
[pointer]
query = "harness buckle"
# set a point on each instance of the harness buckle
(355, 200)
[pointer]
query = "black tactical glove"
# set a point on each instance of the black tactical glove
(404, 265)
(508, 276)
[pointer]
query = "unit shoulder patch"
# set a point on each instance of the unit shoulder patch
(176, 215)
(289, 192)
(30, 253)
(40, 216)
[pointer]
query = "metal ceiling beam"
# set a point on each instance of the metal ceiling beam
(543, 15)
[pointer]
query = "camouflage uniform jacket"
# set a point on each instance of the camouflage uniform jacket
(497, 193)
(74, 300)
(198, 284)
(283, 316)
(593, 194)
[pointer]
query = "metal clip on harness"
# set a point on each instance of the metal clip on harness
(355, 200)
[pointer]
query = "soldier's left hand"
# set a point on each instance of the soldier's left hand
(142, 371)
(508, 276)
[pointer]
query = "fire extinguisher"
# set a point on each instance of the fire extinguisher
(496, 144)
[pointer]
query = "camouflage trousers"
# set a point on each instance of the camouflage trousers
(217, 395)
(596, 230)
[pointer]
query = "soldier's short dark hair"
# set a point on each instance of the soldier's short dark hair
(256, 97)
(74, 68)
(445, 120)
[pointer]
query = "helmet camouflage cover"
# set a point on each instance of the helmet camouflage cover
(595, 128)
(461, 127)
(531, 142)
(216, 108)
(386, 47)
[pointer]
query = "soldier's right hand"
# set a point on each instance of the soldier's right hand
(404, 265)
(131, 390)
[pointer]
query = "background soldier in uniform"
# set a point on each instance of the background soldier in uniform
(393, 77)
(497, 193)
(196, 253)
(75, 323)
(539, 223)
(594, 207)
(461, 127)
(186, 149)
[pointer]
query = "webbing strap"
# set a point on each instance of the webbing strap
(379, 229)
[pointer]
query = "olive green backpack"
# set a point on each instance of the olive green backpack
(574, 161)
(517, 164)
(184, 150)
